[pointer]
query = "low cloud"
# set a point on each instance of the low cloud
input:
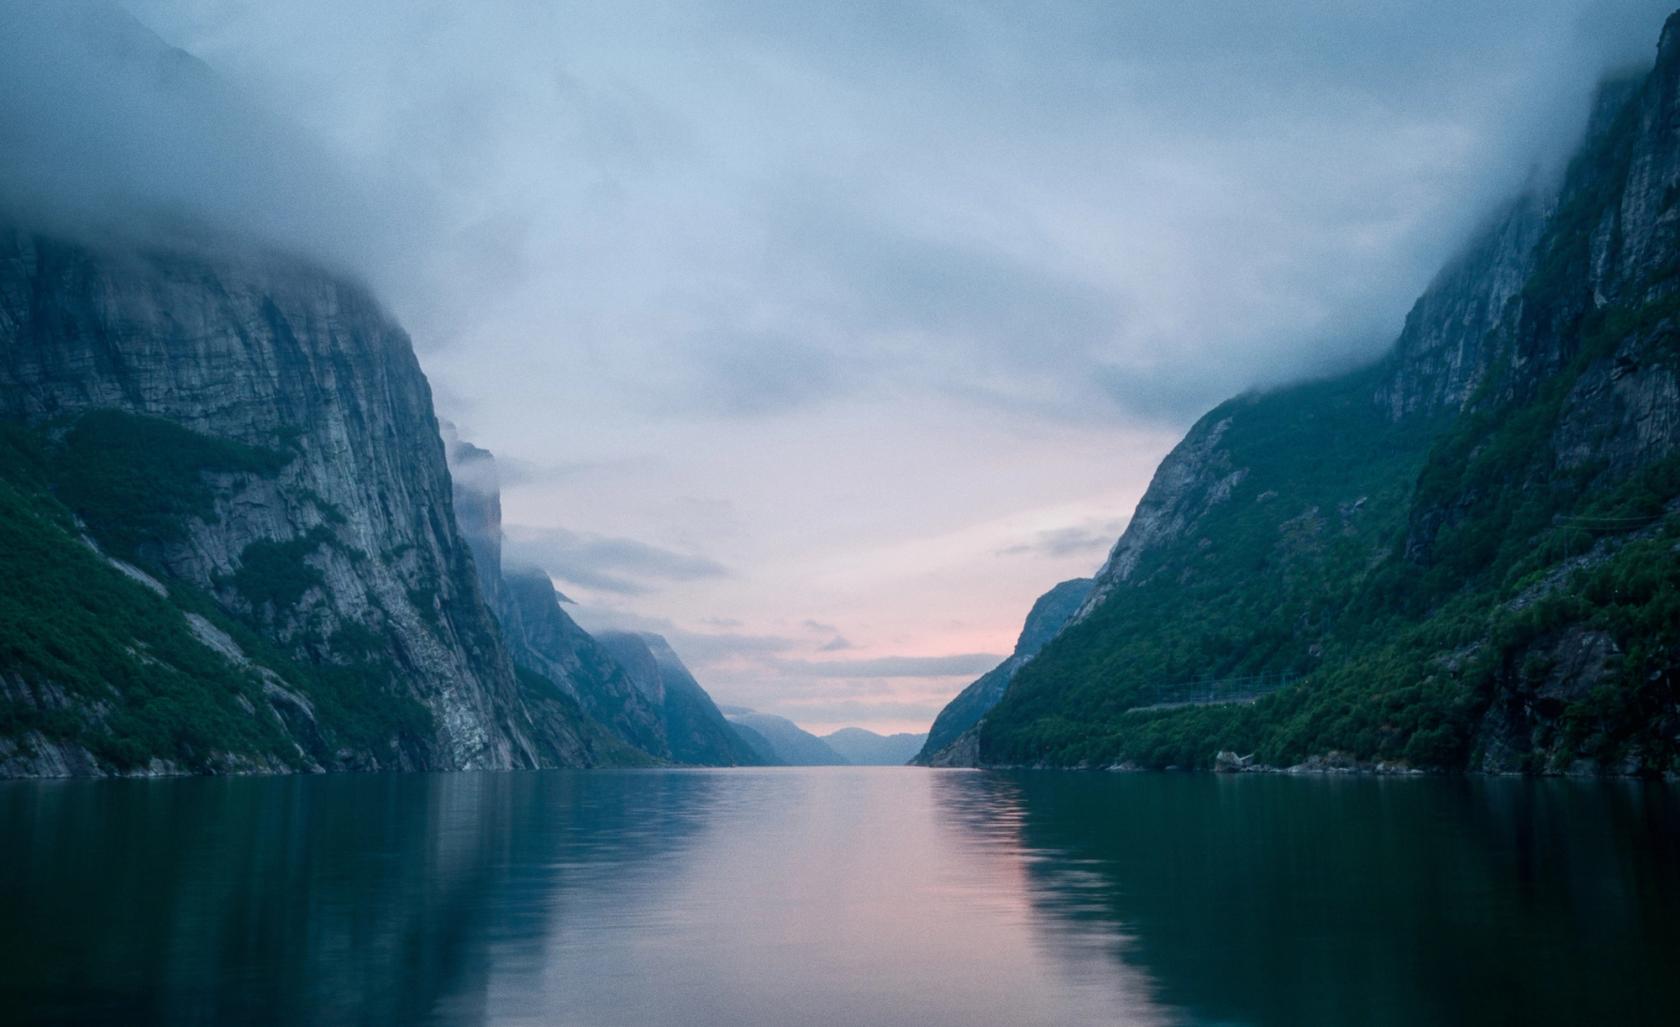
(915, 716)
(835, 645)
(106, 129)
(1070, 541)
(515, 471)
(733, 373)
(955, 665)
(1094, 212)
(701, 650)
(622, 566)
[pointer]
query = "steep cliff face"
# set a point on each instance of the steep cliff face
(541, 637)
(477, 494)
(1443, 352)
(1049, 614)
(331, 535)
(695, 731)
(1462, 556)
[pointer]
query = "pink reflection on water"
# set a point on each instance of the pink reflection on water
(833, 896)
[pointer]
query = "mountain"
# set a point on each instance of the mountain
(229, 543)
(1049, 613)
(231, 539)
(1463, 556)
(867, 749)
(542, 639)
(759, 744)
(695, 731)
(792, 745)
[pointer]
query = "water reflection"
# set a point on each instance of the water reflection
(1291, 901)
(836, 896)
(826, 896)
(1061, 898)
(339, 899)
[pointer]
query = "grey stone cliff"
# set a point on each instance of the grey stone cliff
(271, 352)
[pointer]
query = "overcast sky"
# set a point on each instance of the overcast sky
(822, 338)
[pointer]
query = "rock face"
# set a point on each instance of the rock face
(477, 494)
(695, 731)
(1049, 614)
(351, 513)
(1442, 353)
(1462, 556)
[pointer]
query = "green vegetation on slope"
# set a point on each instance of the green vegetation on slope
(276, 575)
(1412, 652)
(136, 682)
(1252, 591)
(1049, 614)
(136, 480)
(1496, 601)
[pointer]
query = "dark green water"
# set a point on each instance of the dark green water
(839, 896)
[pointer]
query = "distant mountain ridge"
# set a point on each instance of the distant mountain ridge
(542, 639)
(790, 744)
(863, 748)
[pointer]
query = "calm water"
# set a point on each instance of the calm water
(839, 896)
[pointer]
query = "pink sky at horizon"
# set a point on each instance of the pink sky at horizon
(933, 578)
